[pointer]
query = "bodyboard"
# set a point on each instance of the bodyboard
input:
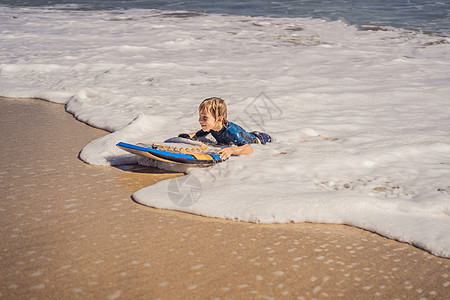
(181, 157)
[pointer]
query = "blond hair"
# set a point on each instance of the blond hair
(216, 106)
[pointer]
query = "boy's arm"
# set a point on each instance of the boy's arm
(239, 150)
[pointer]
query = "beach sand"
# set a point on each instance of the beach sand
(70, 230)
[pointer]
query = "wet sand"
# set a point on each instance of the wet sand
(71, 231)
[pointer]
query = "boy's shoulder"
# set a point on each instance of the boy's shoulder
(234, 127)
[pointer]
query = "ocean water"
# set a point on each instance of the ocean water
(424, 15)
(378, 89)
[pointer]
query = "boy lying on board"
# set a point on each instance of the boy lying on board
(213, 119)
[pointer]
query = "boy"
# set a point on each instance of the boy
(213, 119)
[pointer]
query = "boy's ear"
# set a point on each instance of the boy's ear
(220, 119)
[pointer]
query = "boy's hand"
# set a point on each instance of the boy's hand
(225, 152)
(184, 135)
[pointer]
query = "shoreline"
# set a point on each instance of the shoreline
(71, 230)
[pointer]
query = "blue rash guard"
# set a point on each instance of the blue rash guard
(232, 134)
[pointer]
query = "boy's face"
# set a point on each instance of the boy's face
(208, 122)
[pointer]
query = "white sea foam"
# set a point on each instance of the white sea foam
(141, 75)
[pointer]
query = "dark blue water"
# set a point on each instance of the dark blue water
(424, 15)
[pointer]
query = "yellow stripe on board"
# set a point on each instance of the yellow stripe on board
(202, 156)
